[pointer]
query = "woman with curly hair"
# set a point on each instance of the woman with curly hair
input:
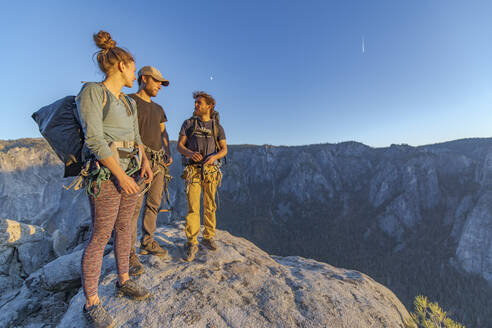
(110, 125)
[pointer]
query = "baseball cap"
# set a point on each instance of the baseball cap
(154, 72)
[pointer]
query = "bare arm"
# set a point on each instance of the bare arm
(145, 166)
(165, 142)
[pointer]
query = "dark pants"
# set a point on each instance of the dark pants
(153, 198)
(112, 209)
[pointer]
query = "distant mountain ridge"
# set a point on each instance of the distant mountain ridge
(417, 219)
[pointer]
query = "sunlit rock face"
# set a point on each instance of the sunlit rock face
(31, 189)
(392, 190)
(346, 204)
(24, 248)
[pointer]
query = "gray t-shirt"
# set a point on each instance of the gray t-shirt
(202, 140)
(118, 125)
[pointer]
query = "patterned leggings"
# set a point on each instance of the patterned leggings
(112, 209)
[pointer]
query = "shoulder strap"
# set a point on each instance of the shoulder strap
(105, 104)
(126, 100)
(195, 125)
(214, 130)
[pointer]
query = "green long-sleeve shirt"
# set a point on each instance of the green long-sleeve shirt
(117, 126)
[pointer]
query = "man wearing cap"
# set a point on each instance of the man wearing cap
(151, 123)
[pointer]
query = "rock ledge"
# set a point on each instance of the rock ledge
(241, 286)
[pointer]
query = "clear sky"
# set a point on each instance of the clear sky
(282, 72)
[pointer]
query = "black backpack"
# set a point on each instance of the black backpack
(59, 123)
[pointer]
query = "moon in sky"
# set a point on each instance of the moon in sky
(363, 46)
(211, 77)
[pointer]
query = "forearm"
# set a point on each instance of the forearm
(115, 168)
(221, 153)
(223, 149)
(165, 142)
(184, 151)
(144, 156)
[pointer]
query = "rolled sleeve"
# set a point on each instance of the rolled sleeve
(163, 115)
(90, 106)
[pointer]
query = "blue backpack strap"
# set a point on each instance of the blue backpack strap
(128, 101)
(195, 126)
(215, 133)
(105, 103)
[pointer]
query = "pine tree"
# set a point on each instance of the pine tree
(429, 315)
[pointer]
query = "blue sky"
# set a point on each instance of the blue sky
(284, 72)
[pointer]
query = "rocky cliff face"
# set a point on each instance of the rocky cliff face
(393, 212)
(237, 286)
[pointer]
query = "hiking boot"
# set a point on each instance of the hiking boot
(97, 317)
(132, 290)
(190, 252)
(136, 268)
(153, 248)
(210, 244)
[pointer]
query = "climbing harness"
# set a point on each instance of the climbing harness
(93, 173)
(200, 173)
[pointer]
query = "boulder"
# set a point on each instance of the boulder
(24, 248)
(34, 255)
(13, 233)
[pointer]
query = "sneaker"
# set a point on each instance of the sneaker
(97, 317)
(210, 244)
(190, 252)
(136, 268)
(153, 248)
(132, 290)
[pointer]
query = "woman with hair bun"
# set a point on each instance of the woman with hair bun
(110, 125)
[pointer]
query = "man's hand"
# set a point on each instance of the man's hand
(146, 170)
(210, 160)
(169, 161)
(197, 157)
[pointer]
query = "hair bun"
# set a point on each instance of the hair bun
(104, 41)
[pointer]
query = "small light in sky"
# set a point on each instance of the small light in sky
(211, 77)
(363, 46)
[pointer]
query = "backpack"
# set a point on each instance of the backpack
(60, 124)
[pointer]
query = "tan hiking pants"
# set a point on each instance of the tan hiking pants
(194, 185)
